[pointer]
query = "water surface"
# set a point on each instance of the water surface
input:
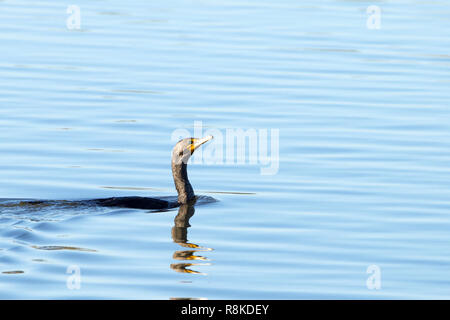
(363, 175)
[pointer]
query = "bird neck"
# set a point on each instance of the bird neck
(182, 184)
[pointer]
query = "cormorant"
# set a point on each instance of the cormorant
(180, 156)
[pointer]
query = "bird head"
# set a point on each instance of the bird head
(184, 148)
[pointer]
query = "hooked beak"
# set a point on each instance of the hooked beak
(196, 143)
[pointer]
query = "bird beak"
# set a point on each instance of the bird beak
(198, 142)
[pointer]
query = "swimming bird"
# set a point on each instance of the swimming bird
(181, 153)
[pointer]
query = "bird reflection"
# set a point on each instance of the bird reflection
(179, 235)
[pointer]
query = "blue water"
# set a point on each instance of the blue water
(364, 148)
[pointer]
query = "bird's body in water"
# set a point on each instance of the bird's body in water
(181, 153)
(135, 203)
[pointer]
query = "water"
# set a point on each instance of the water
(364, 143)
